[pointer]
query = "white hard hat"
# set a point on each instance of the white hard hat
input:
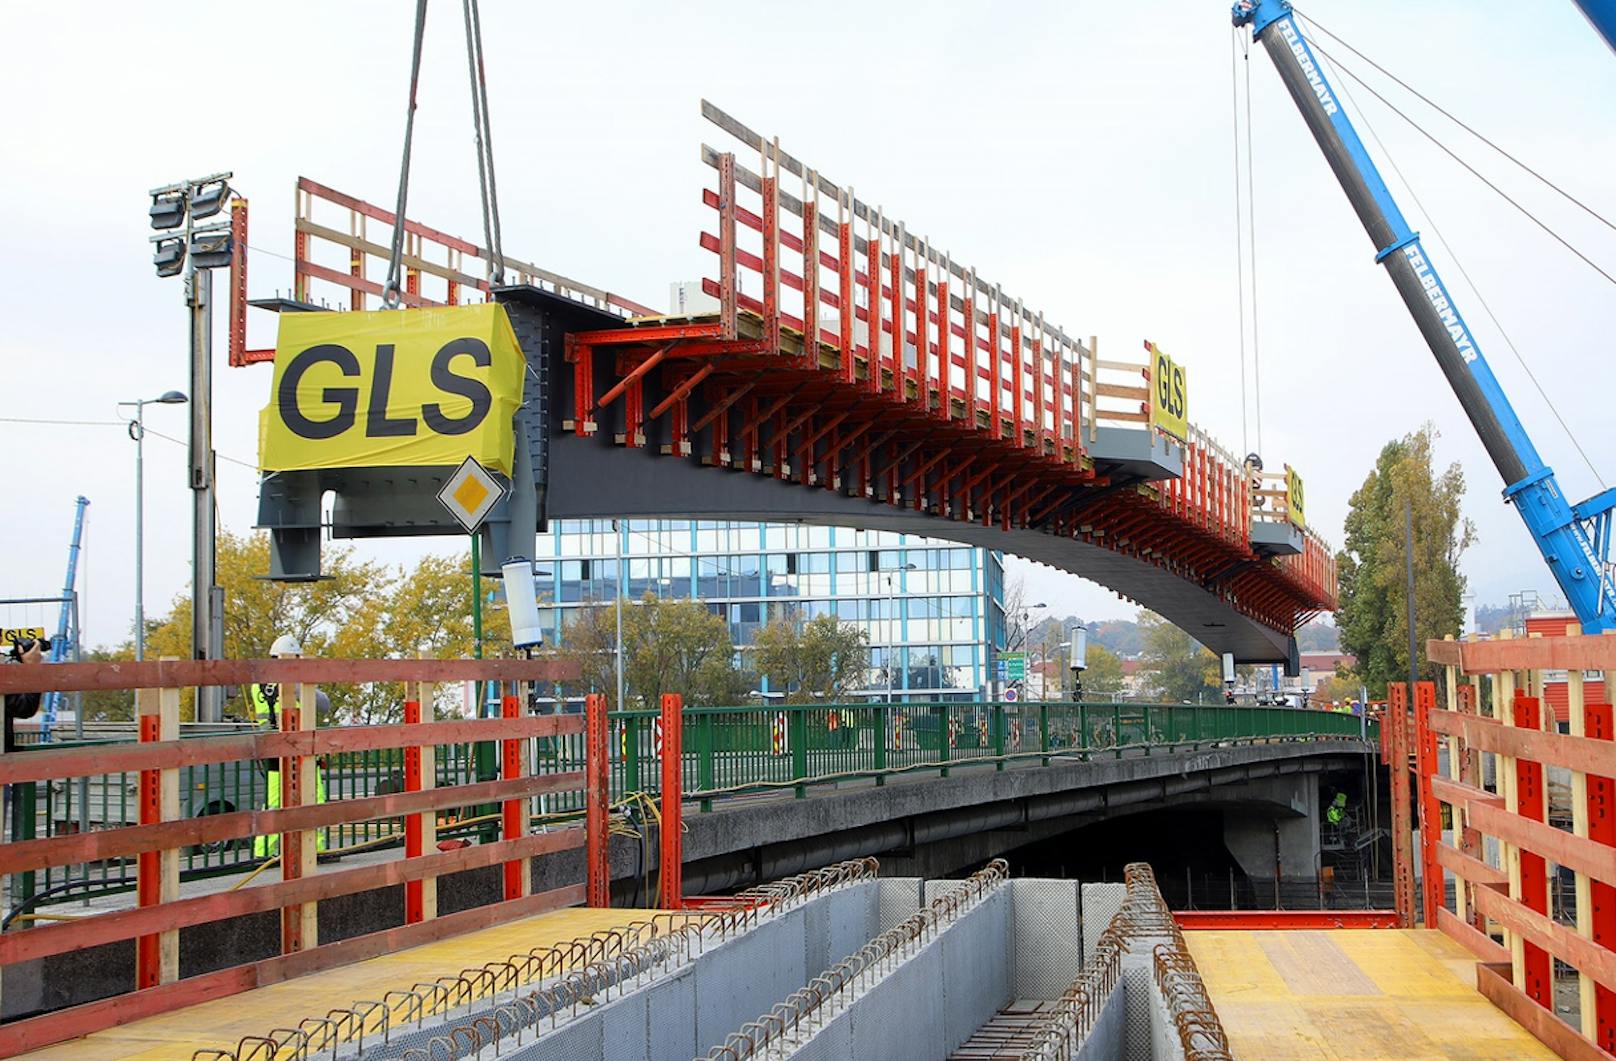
(285, 645)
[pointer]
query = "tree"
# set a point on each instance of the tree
(1178, 666)
(820, 660)
(1103, 678)
(359, 610)
(669, 646)
(1372, 566)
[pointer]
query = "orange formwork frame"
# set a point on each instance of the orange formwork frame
(156, 923)
(1495, 716)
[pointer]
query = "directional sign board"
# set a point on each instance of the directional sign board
(470, 494)
(1012, 666)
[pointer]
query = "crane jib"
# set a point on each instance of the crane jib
(1574, 541)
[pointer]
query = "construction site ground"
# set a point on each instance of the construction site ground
(1353, 993)
(223, 1022)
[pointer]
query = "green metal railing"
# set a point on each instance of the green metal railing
(727, 751)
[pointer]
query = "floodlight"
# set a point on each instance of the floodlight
(169, 256)
(210, 247)
(171, 398)
(208, 198)
(167, 209)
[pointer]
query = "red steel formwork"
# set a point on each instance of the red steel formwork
(995, 424)
(161, 914)
(1494, 709)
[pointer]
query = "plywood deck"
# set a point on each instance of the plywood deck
(1361, 994)
(220, 1024)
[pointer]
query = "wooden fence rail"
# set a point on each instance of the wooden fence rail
(158, 983)
(1503, 738)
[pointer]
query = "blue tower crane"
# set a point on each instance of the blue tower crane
(1574, 539)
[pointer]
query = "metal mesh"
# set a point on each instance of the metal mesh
(1100, 903)
(1049, 948)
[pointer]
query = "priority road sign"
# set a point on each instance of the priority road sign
(471, 494)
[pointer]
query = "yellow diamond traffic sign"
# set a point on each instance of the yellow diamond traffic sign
(470, 494)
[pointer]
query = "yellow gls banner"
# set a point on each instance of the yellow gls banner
(393, 388)
(1295, 498)
(1169, 395)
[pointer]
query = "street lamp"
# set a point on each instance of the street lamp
(137, 431)
(892, 629)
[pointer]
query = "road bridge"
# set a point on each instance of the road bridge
(841, 371)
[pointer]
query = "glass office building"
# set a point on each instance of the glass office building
(933, 607)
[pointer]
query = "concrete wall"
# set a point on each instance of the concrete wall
(935, 1000)
(688, 1013)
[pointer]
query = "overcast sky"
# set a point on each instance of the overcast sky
(1078, 153)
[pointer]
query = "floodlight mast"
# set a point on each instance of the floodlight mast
(1574, 539)
(197, 250)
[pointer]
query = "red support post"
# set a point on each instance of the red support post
(844, 292)
(1394, 730)
(1430, 809)
(513, 812)
(596, 801)
(900, 374)
(945, 355)
(771, 263)
(671, 836)
(810, 273)
(1529, 804)
(995, 390)
(872, 331)
(414, 831)
(148, 880)
(1602, 829)
(727, 286)
(922, 331)
(1018, 379)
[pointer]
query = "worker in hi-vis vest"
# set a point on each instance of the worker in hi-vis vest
(266, 700)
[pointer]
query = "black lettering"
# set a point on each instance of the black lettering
(444, 378)
(377, 425)
(1178, 392)
(346, 399)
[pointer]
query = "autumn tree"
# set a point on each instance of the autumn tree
(669, 646)
(1177, 664)
(1372, 566)
(821, 659)
(1103, 678)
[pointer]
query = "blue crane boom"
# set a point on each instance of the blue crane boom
(1602, 16)
(1574, 539)
(64, 623)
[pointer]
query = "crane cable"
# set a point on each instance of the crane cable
(392, 289)
(1417, 94)
(1239, 226)
(1251, 226)
(1468, 167)
(1448, 247)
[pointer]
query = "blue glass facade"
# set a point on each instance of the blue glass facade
(933, 607)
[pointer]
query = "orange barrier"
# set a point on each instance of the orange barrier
(1495, 708)
(155, 924)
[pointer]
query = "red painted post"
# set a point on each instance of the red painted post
(596, 801)
(1602, 829)
(513, 812)
(1430, 809)
(1395, 727)
(414, 833)
(727, 287)
(1529, 803)
(672, 831)
(149, 873)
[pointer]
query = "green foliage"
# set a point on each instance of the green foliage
(359, 610)
(820, 660)
(1373, 616)
(669, 646)
(1103, 678)
(1175, 664)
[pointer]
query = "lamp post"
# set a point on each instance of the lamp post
(183, 246)
(137, 431)
(892, 630)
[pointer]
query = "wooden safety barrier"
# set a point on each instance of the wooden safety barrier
(1502, 741)
(155, 924)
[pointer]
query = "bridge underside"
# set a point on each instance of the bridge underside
(591, 478)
